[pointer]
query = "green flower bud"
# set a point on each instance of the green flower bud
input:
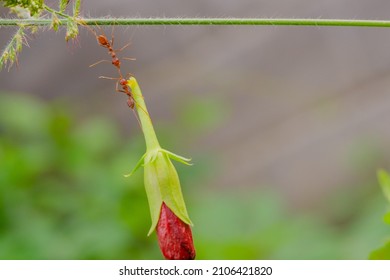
(162, 185)
(161, 180)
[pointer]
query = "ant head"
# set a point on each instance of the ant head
(122, 82)
(102, 40)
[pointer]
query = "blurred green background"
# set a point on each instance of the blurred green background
(63, 196)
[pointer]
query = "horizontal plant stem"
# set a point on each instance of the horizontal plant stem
(206, 21)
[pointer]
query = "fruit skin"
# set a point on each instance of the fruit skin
(174, 236)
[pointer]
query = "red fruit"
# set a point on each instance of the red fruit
(174, 236)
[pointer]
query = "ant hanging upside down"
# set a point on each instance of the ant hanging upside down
(125, 88)
(109, 45)
(122, 82)
(121, 85)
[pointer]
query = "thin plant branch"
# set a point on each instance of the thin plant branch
(205, 21)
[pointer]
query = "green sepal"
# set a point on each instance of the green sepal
(162, 184)
(151, 156)
(139, 163)
(153, 193)
(178, 158)
(172, 194)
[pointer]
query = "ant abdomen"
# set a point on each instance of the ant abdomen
(130, 103)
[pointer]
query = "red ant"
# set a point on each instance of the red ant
(121, 82)
(125, 88)
(108, 44)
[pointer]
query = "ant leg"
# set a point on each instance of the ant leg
(117, 87)
(128, 76)
(100, 61)
(129, 58)
(124, 47)
(108, 78)
(131, 105)
(101, 30)
(140, 107)
(90, 29)
(128, 93)
(112, 36)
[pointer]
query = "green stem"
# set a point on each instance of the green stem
(206, 21)
(146, 122)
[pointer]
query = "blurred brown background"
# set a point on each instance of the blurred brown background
(304, 109)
